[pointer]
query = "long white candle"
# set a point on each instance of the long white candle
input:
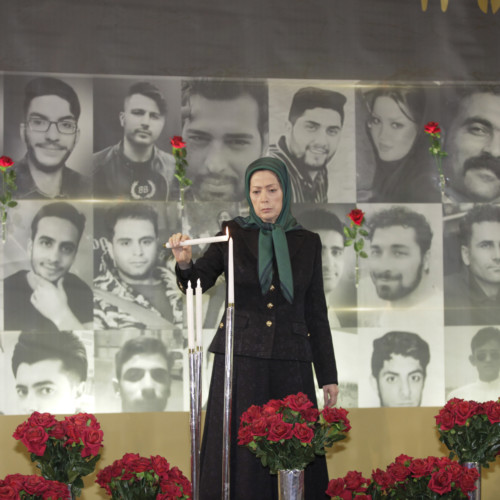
(190, 317)
(201, 241)
(230, 285)
(199, 310)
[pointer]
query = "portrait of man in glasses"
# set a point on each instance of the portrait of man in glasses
(50, 132)
(485, 358)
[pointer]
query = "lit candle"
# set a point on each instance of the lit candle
(190, 316)
(230, 285)
(199, 310)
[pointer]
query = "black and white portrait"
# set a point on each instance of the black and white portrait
(393, 161)
(135, 284)
(49, 135)
(472, 274)
(402, 279)
(471, 123)
(338, 261)
(141, 371)
(48, 267)
(311, 129)
(134, 120)
(225, 126)
(400, 368)
(49, 372)
(472, 363)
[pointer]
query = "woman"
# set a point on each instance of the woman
(404, 169)
(280, 326)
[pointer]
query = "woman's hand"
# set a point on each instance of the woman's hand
(183, 255)
(330, 391)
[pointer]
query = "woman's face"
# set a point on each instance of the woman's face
(266, 195)
(393, 133)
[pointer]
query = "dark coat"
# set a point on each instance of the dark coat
(267, 326)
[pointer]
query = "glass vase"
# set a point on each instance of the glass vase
(476, 494)
(291, 484)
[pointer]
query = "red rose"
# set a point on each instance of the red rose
(35, 485)
(332, 415)
(398, 471)
(177, 142)
(44, 420)
(160, 465)
(92, 441)
(403, 459)
(20, 431)
(464, 410)
(441, 482)
(357, 216)
(280, 430)
(298, 402)
(245, 435)
(354, 480)
(7, 492)
(445, 420)
(253, 413)
(492, 410)
(432, 128)
(420, 467)
(5, 162)
(382, 478)
(259, 427)
(272, 406)
(303, 433)
(468, 479)
(58, 431)
(335, 487)
(34, 439)
(310, 414)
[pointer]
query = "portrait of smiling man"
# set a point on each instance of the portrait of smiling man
(50, 132)
(47, 296)
(225, 126)
(133, 289)
(472, 295)
(313, 131)
(472, 141)
(399, 265)
(136, 168)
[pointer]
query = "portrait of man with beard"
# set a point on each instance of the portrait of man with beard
(50, 132)
(472, 295)
(472, 142)
(399, 267)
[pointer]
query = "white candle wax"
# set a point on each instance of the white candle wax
(230, 285)
(190, 316)
(201, 241)
(199, 310)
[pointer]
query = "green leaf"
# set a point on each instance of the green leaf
(364, 232)
(12, 204)
(363, 254)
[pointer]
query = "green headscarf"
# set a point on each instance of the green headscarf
(272, 238)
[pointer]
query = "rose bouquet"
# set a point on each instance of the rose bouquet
(64, 451)
(32, 488)
(287, 434)
(134, 477)
(470, 430)
(355, 235)
(428, 478)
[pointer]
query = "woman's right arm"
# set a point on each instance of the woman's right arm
(183, 255)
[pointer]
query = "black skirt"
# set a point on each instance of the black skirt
(255, 381)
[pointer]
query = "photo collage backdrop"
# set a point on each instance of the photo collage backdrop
(92, 317)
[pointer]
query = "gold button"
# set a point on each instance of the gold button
(270, 305)
(308, 334)
(272, 288)
(269, 323)
(221, 325)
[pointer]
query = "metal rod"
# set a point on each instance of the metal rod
(194, 423)
(228, 396)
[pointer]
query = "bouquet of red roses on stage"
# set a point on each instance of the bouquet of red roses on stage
(288, 434)
(133, 477)
(32, 488)
(64, 451)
